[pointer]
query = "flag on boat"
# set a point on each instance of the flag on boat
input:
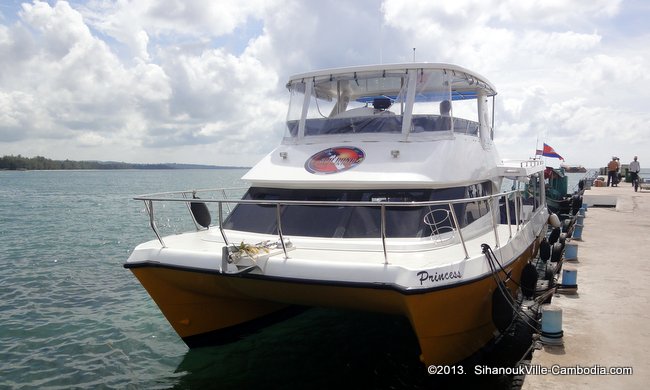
(549, 152)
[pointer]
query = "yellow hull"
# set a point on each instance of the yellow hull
(450, 323)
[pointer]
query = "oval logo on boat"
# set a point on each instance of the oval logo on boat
(334, 160)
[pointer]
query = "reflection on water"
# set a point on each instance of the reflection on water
(334, 349)
(320, 348)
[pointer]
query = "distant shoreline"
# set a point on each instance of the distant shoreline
(39, 163)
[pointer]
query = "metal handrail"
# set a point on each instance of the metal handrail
(267, 202)
(163, 197)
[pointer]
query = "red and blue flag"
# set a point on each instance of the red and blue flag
(549, 152)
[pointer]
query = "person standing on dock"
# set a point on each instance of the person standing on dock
(612, 172)
(634, 169)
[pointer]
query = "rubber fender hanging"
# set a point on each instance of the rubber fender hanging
(569, 230)
(576, 203)
(579, 200)
(528, 280)
(544, 250)
(556, 252)
(200, 213)
(566, 224)
(554, 220)
(549, 274)
(555, 234)
(502, 312)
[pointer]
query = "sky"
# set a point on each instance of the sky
(203, 82)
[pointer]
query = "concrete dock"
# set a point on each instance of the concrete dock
(607, 323)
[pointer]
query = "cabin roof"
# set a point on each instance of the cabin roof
(464, 86)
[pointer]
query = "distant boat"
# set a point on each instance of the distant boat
(573, 168)
(558, 198)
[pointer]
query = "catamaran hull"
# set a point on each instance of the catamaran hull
(207, 308)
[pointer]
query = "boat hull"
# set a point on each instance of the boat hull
(206, 307)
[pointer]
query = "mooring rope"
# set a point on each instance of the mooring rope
(491, 258)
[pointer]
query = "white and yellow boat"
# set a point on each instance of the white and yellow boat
(382, 196)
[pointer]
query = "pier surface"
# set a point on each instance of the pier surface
(606, 324)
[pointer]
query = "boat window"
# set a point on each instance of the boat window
(349, 103)
(477, 209)
(367, 124)
(375, 102)
(348, 221)
(431, 90)
(296, 97)
(422, 123)
(436, 108)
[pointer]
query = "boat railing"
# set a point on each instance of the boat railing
(529, 163)
(443, 225)
(587, 181)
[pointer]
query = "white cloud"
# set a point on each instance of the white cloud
(135, 23)
(71, 79)
(554, 12)
(574, 88)
(73, 85)
(195, 81)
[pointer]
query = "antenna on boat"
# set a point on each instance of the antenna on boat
(381, 46)
(413, 54)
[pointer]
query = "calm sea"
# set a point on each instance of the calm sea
(72, 317)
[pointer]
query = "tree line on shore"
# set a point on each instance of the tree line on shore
(41, 163)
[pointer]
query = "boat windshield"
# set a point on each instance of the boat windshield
(357, 221)
(381, 101)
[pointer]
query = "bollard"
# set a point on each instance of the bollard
(582, 211)
(577, 232)
(580, 219)
(552, 325)
(569, 281)
(571, 251)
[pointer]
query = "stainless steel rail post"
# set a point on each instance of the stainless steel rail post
(460, 233)
(148, 204)
(495, 226)
(223, 233)
(508, 216)
(189, 208)
(382, 230)
(279, 220)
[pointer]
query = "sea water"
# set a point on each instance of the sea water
(70, 314)
(72, 317)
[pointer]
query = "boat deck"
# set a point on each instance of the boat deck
(314, 257)
(605, 323)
